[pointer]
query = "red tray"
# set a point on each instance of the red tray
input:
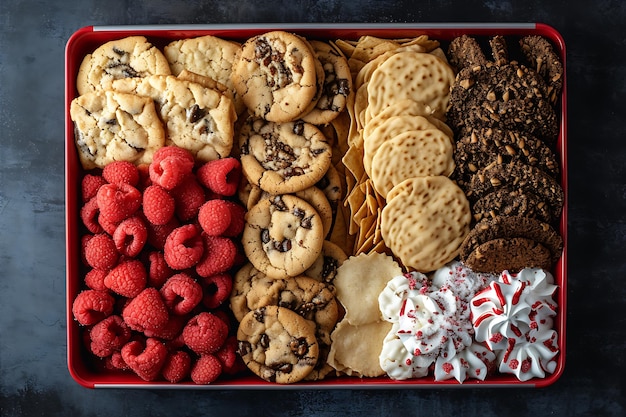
(81, 364)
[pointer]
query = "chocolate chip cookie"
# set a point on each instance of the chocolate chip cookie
(112, 126)
(283, 157)
(283, 236)
(133, 56)
(277, 344)
(276, 76)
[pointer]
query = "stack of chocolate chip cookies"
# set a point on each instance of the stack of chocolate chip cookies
(504, 117)
(292, 89)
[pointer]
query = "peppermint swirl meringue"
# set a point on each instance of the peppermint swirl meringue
(514, 317)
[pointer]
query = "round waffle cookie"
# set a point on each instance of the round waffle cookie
(276, 76)
(419, 76)
(425, 221)
(417, 153)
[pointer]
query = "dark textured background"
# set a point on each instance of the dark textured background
(33, 374)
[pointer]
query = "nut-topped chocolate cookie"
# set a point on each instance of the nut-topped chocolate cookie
(283, 157)
(276, 76)
(277, 344)
(283, 236)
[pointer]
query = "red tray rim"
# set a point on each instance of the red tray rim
(78, 41)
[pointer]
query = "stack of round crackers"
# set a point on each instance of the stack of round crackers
(504, 117)
(405, 150)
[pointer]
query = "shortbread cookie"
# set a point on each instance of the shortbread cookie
(209, 56)
(324, 269)
(277, 344)
(355, 349)
(425, 221)
(418, 76)
(511, 255)
(336, 87)
(112, 126)
(483, 147)
(276, 76)
(196, 118)
(512, 202)
(359, 282)
(283, 157)
(283, 236)
(387, 130)
(416, 153)
(133, 56)
(508, 227)
(518, 176)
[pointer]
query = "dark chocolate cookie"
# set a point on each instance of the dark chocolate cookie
(539, 52)
(516, 175)
(479, 148)
(510, 97)
(465, 52)
(509, 227)
(511, 202)
(511, 255)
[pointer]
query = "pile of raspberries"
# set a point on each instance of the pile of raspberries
(159, 249)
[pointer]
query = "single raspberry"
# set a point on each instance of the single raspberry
(109, 335)
(145, 359)
(127, 279)
(84, 239)
(227, 355)
(189, 196)
(158, 269)
(170, 171)
(91, 306)
(219, 256)
(158, 205)
(100, 252)
(130, 236)
(89, 186)
(237, 219)
(115, 361)
(221, 176)
(144, 176)
(176, 366)
(117, 202)
(205, 333)
(181, 293)
(206, 370)
(217, 289)
(107, 225)
(89, 214)
(94, 279)
(225, 315)
(183, 247)
(146, 311)
(172, 151)
(157, 234)
(171, 330)
(121, 172)
(214, 217)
